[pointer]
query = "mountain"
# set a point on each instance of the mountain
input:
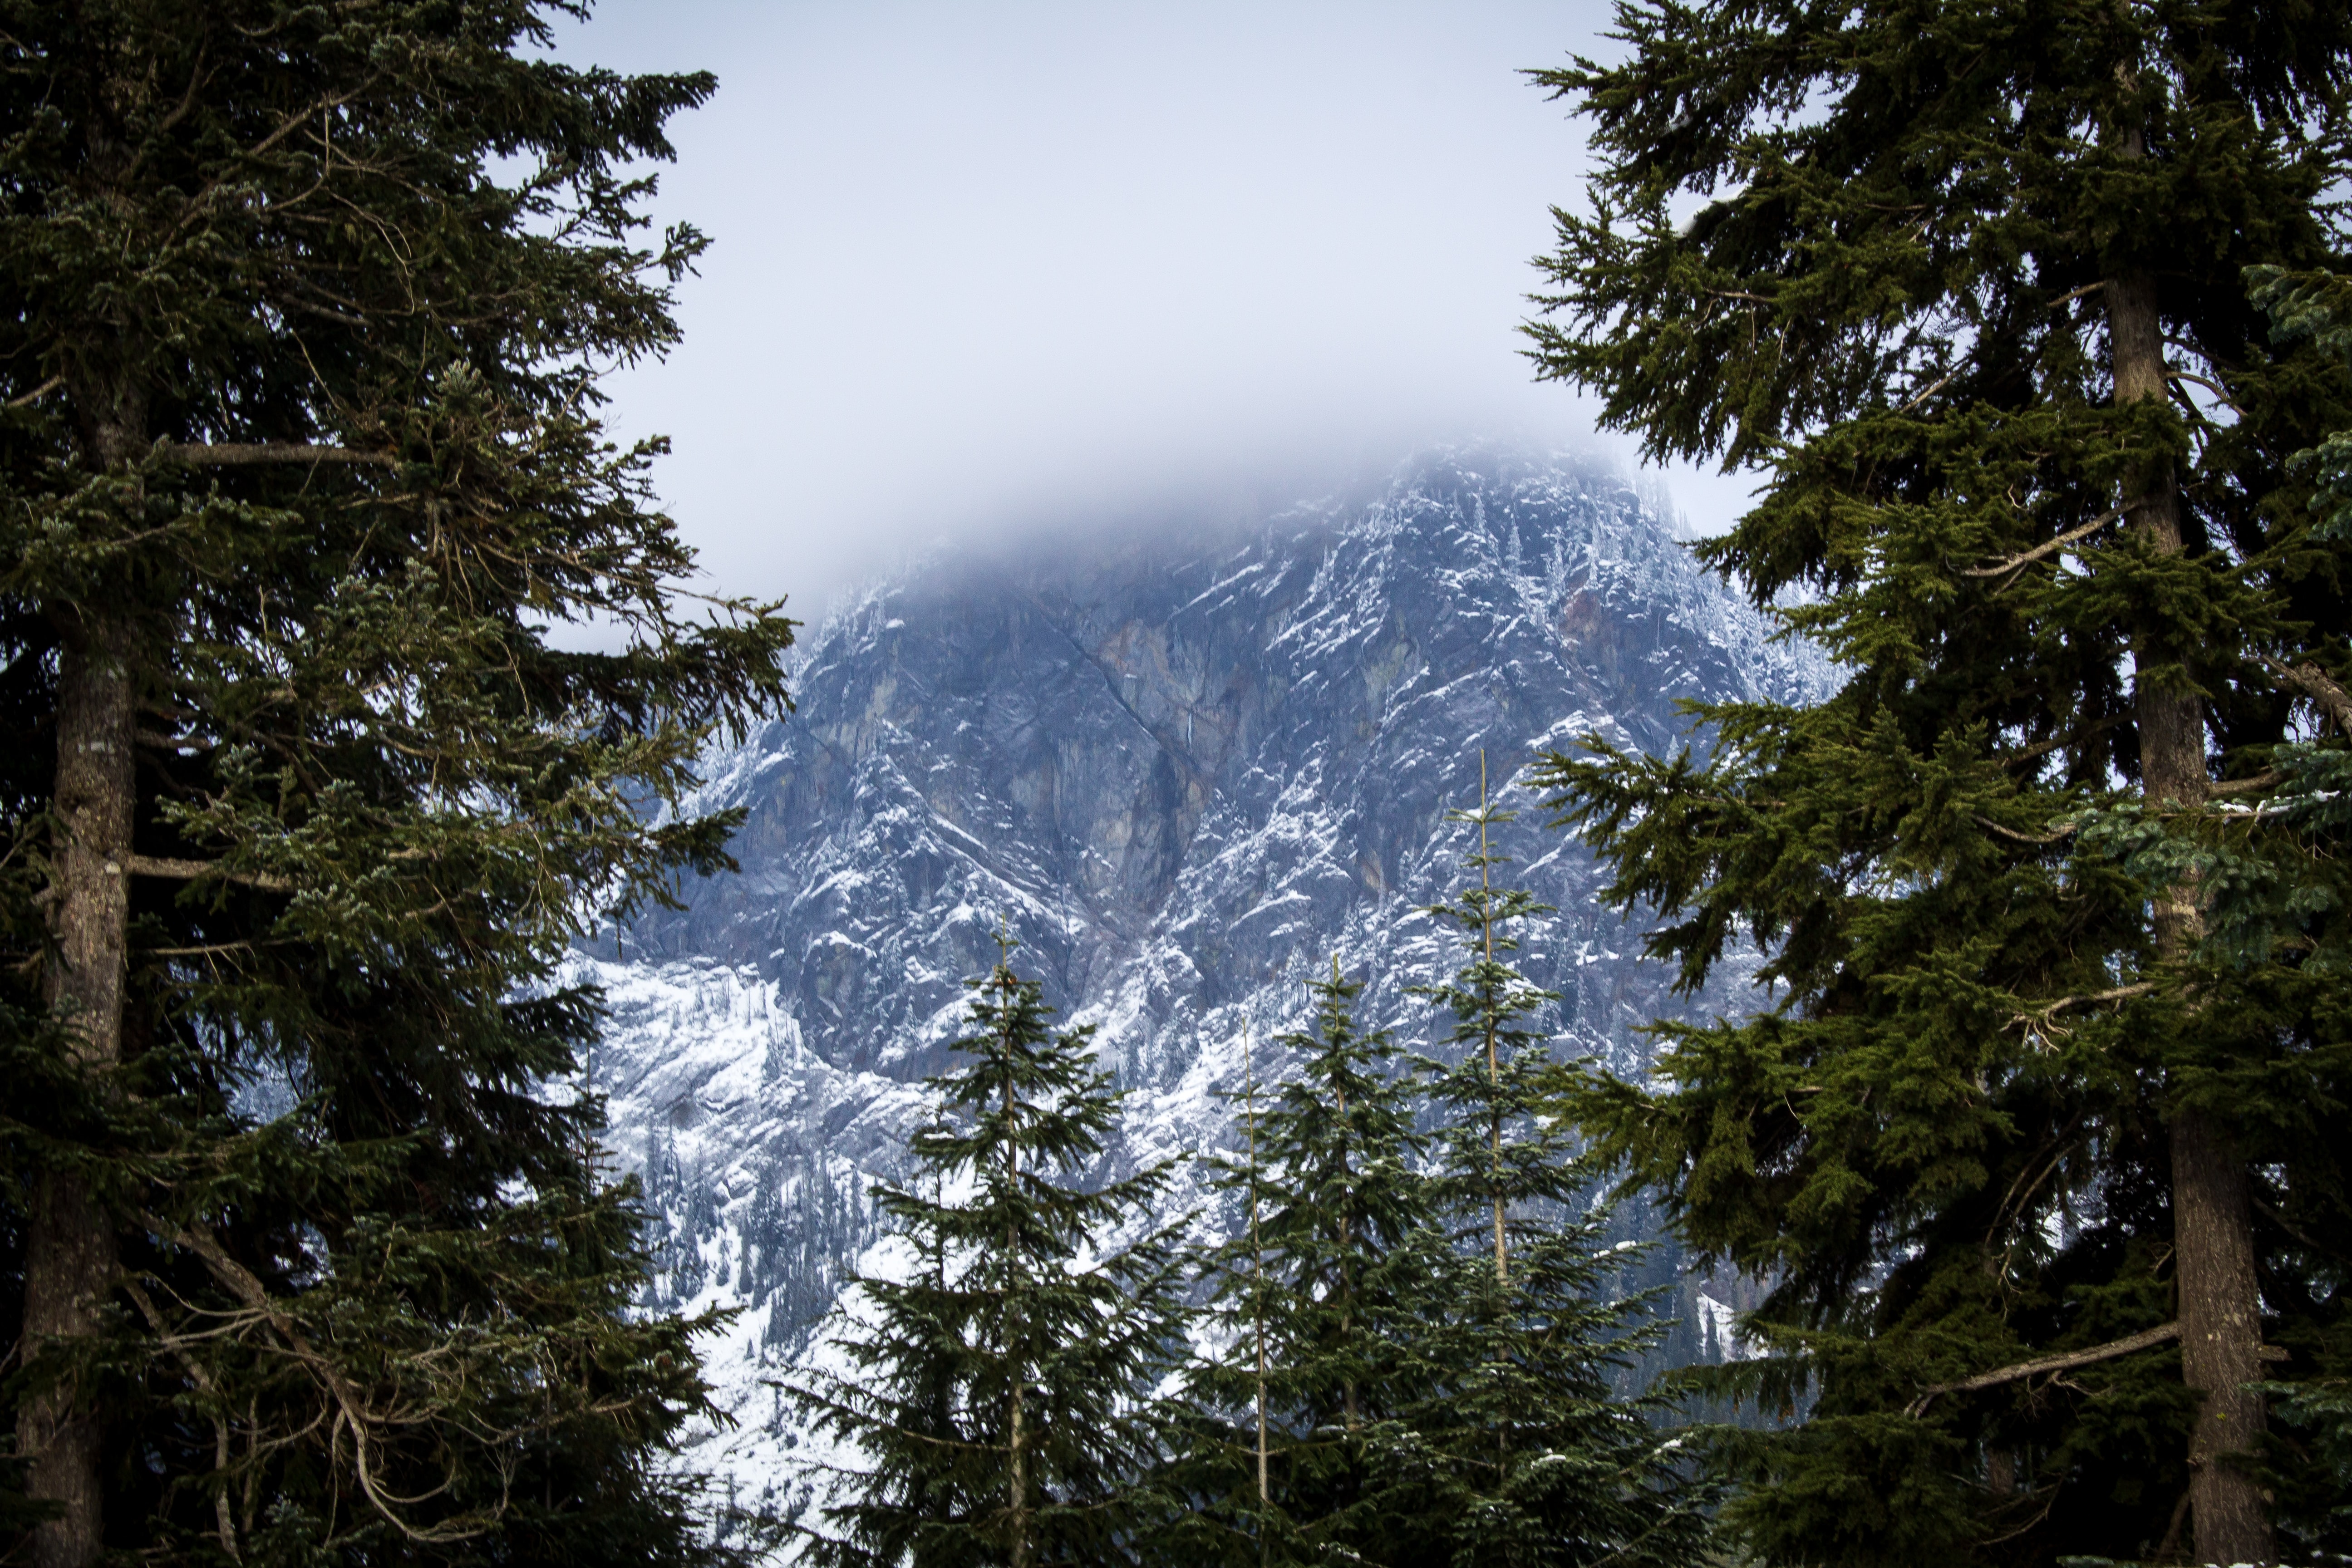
(1183, 775)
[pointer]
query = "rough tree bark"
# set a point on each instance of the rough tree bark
(2212, 1212)
(70, 1245)
(70, 1239)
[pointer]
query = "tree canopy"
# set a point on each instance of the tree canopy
(2035, 1145)
(1002, 1385)
(301, 470)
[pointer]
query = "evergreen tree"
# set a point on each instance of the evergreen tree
(2035, 1146)
(298, 459)
(1003, 1391)
(1526, 1456)
(1322, 1281)
(2288, 884)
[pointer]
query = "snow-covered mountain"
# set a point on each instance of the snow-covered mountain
(1184, 774)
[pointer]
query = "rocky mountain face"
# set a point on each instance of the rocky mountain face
(1184, 774)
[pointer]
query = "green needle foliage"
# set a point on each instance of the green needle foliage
(299, 459)
(1342, 1245)
(1520, 1451)
(2040, 1141)
(1499, 1152)
(2283, 881)
(1002, 1389)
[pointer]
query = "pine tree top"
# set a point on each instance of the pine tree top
(1003, 1381)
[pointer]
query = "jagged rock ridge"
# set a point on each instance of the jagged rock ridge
(1182, 774)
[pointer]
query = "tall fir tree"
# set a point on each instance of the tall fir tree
(1526, 1455)
(1325, 1281)
(1003, 1391)
(2033, 1145)
(298, 459)
(2284, 878)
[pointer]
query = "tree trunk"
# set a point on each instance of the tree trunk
(1017, 1484)
(2220, 1340)
(2212, 1217)
(1347, 1239)
(1494, 1065)
(1016, 1462)
(69, 1249)
(1257, 1279)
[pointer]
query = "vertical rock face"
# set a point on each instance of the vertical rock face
(1183, 775)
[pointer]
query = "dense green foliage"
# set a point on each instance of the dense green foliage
(1899, 258)
(1373, 1386)
(1436, 1309)
(1327, 1274)
(1522, 1452)
(1001, 1389)
(2291, 886)
(306, 307)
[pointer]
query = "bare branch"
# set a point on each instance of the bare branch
(2219, 392)
(1989, 826)
(172, 743)
(351, 1407)
(202, 1380)
(2038, 1019)
(196, 870)
(179, 112)
(2072, 738)
(2071, 295)
(2147, 1339)
(245, 454)
(2315, 684)
(2053, 546)
(328, 312)
(2254, 785)
(301, 117)
(2121, 992)
(37, 392)
(1937, 386)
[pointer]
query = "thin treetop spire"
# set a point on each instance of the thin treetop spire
(1257, 1263)
(1002, 1399)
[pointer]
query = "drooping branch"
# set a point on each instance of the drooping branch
(351, 1406)
(247, 454)
(2146, 1338)
(2039, 1018)
(224, 1518)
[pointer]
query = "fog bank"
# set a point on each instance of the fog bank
(982, 268)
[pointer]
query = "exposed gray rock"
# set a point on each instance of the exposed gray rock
(1184, 774)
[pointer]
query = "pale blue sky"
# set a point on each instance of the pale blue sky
(981, 264)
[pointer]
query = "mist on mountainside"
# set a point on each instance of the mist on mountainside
(1185, 770)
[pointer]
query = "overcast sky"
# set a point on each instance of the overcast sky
(979, 265)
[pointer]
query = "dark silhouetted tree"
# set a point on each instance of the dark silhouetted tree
(299, 461)
(2035, 1143)
(1001, 1384)
(1522, 1453)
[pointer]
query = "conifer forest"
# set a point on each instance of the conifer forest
(1450, 1025)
